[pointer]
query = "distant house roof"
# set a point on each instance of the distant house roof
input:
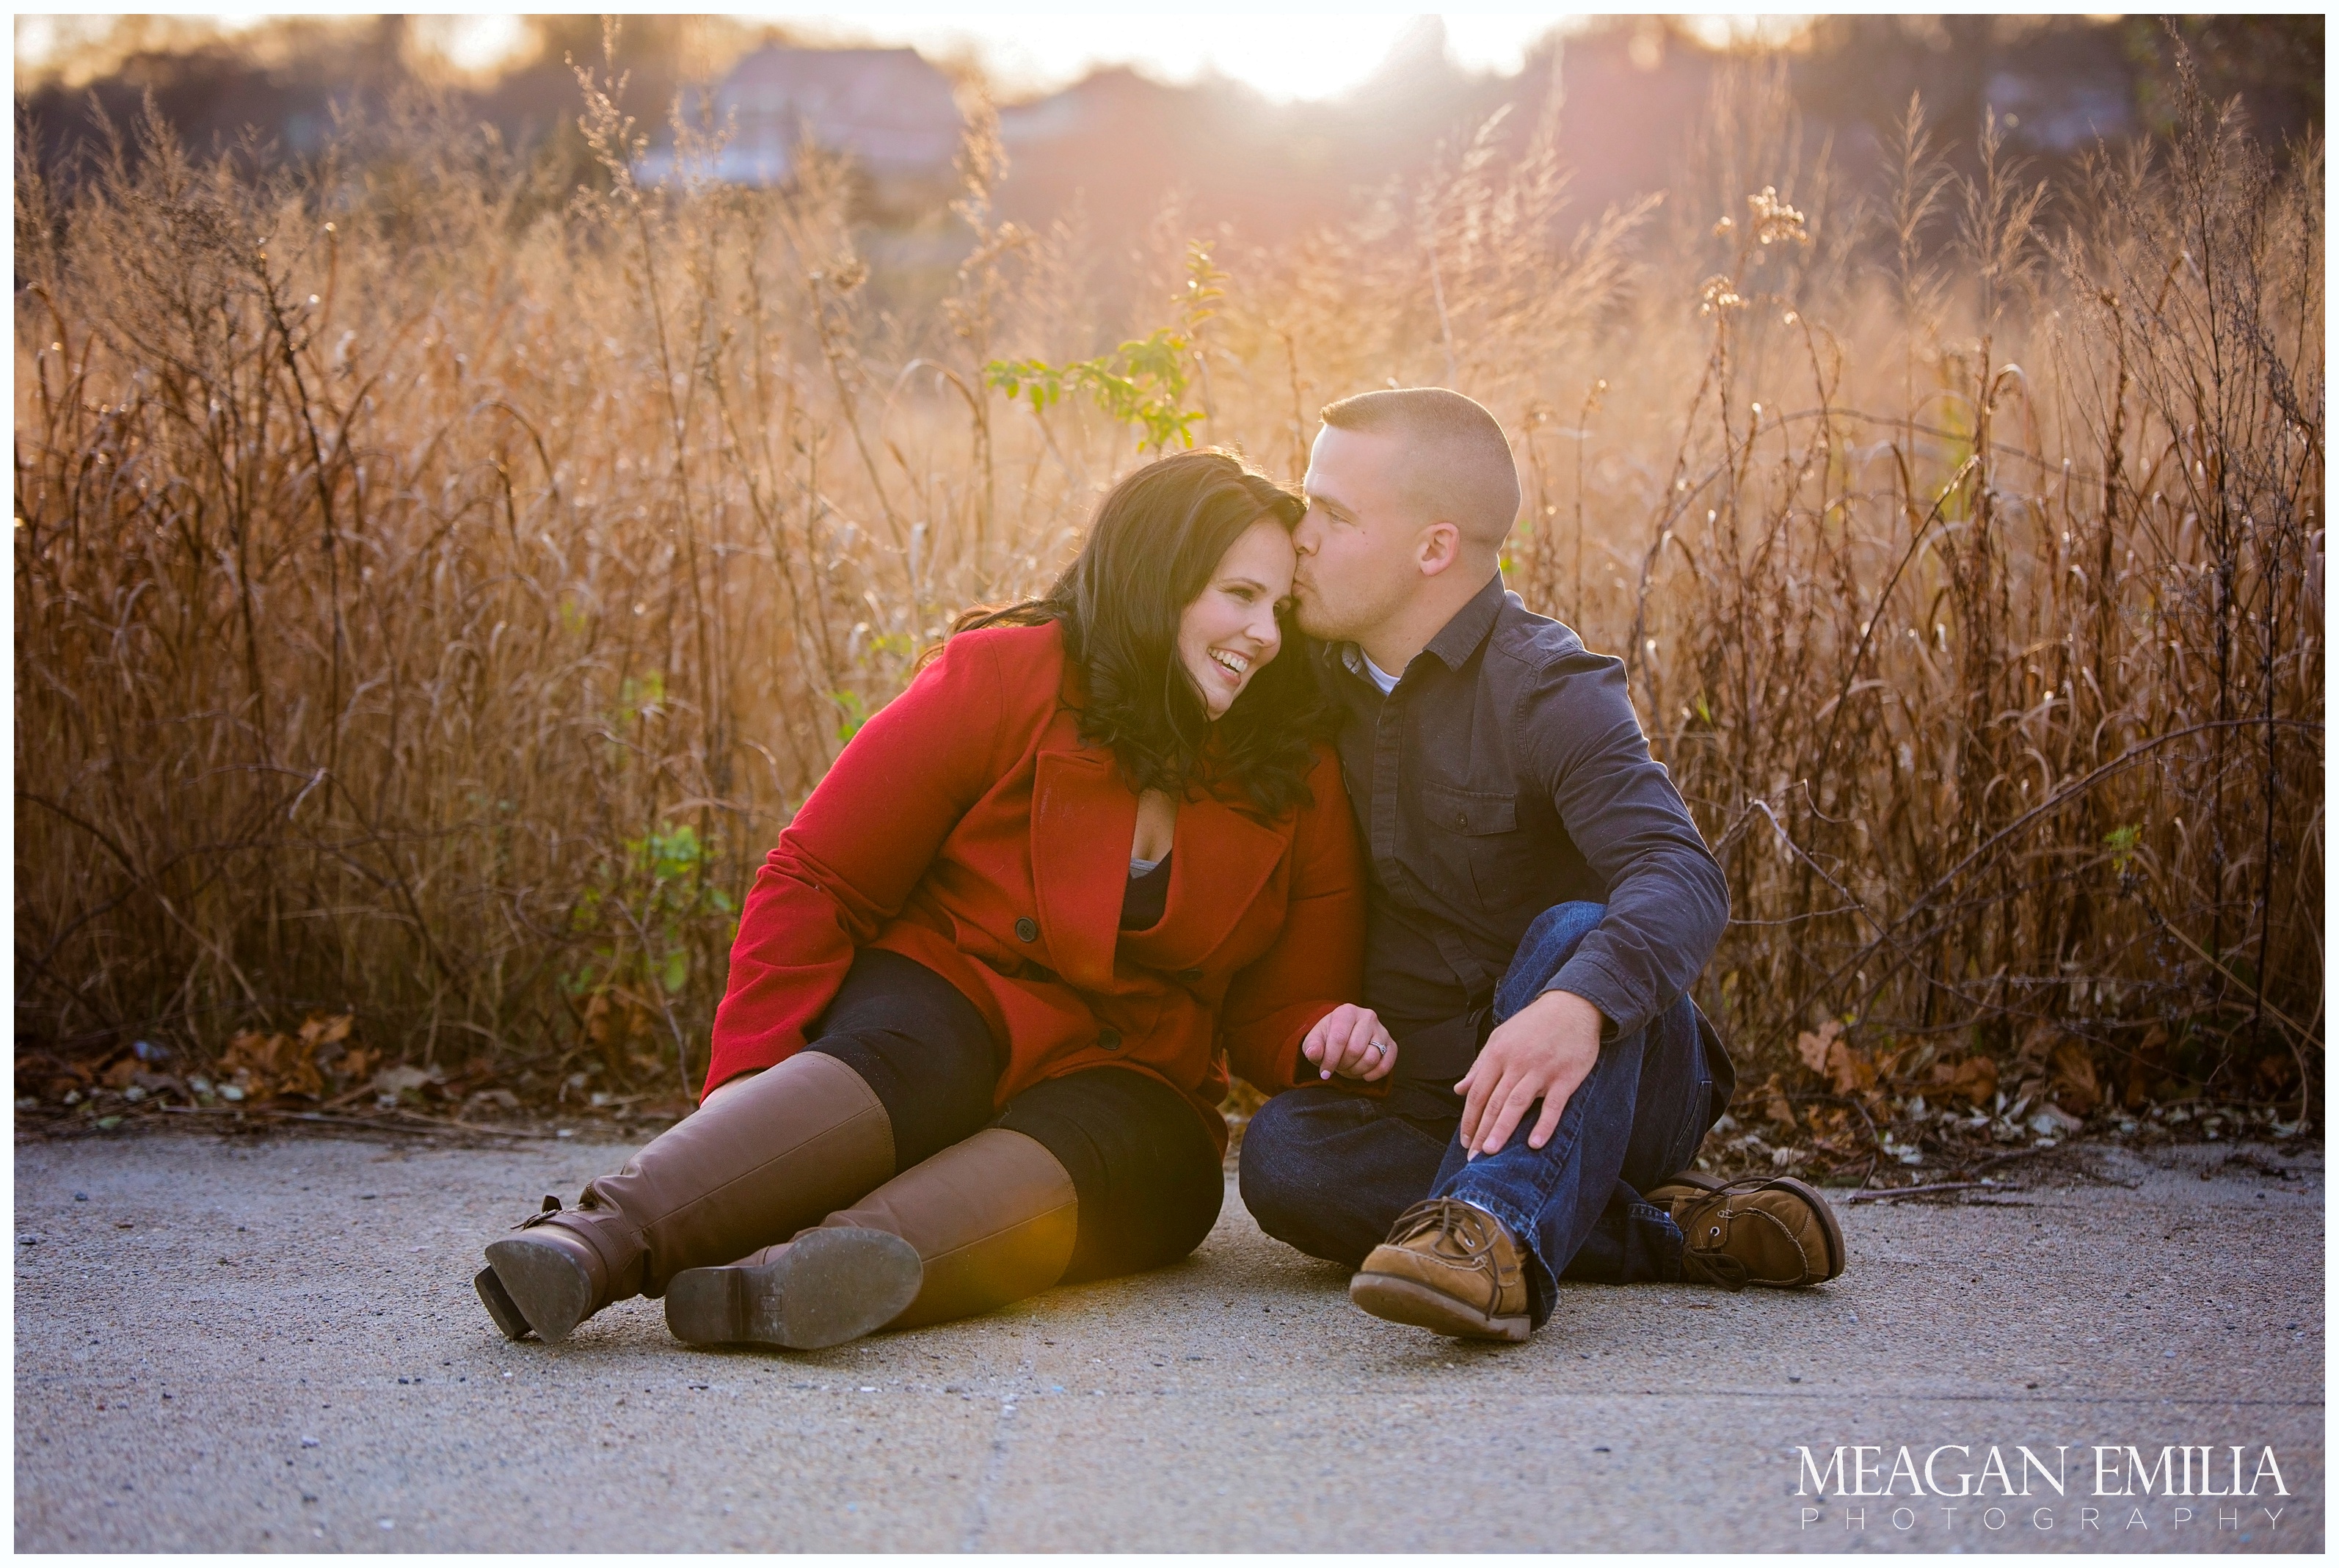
(892, 111)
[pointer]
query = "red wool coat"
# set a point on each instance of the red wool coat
(968, 827)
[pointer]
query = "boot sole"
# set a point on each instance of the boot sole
(509, 1319)
(831, 1285)
(1409, 1301)
(1828, 1225)
(546, 1287)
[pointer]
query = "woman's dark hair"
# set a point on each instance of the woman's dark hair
(1150, 552)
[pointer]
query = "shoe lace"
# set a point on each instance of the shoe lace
(1712, 1266)
(1466, 1228)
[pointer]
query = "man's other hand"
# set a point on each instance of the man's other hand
(1540, 1052)
(1349, 1041)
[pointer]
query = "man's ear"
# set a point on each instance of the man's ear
(1438, 546)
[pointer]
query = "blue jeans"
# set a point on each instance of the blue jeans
(1329, 1170)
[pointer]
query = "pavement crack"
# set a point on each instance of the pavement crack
(994, 1463)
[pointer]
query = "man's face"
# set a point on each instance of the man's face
(1358, 561)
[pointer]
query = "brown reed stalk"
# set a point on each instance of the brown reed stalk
(433, 597)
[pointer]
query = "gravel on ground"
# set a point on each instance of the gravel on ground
(273, 1345)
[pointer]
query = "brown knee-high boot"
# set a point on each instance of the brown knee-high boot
(758, 1162)
(987, 1221)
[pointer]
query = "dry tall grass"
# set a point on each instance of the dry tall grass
(433, 592)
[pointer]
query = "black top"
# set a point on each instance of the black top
(1146, 897)
(1505, 774)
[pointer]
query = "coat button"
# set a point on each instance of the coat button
(1461, 819)
(1027, 929)
(1110, 1039)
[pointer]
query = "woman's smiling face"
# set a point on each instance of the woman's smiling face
(1229, 630)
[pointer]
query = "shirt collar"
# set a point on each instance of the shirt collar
(1461, 635)
(1455, 641)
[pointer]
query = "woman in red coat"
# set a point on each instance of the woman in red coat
(987, 989)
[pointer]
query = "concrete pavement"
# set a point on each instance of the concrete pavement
(272, 1346)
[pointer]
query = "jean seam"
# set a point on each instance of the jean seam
(1553, 1166)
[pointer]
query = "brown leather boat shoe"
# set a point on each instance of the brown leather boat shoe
(1759, 1230)
(1448, 1267)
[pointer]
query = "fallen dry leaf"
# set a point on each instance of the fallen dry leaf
(1972, 1079)
(265, 1064)
(1814, 1046)
(2072, 1075)
(397, 1080)
(1777, 1107)
(251, 1060)
(614, 1016)
(1850, 1070)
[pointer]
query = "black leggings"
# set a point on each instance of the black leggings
(1146, 1173)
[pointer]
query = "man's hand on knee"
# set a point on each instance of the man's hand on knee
(1543, 1051)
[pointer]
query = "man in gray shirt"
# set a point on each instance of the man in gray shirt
(1540, 902)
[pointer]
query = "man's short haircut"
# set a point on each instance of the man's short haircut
(1460, 465)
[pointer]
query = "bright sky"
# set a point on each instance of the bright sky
(1285, 54)
(1292, 53)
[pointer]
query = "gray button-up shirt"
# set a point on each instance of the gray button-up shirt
(1505, 774)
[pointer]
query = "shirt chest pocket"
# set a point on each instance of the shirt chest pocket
(1469, 813)
(1474, 840)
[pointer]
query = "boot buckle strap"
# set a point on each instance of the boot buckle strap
(551, 1206)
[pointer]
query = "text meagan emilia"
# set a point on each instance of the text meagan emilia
(2120, 1471)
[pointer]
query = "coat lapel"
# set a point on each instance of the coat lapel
(1083, 819)
(1221, 860)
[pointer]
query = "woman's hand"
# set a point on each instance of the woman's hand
(1349, 1041)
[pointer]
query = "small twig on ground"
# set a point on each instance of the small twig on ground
(430, 1124)
(1877, 1194)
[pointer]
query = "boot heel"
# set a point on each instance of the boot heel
(549, 1287)
(830, 1286)
(709, 1306)
(509, 1319)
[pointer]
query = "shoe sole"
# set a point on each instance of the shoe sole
(509, 1319)
(543, 1284)
(1409, 1301)
(1828, 1225)
(831, 1285)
